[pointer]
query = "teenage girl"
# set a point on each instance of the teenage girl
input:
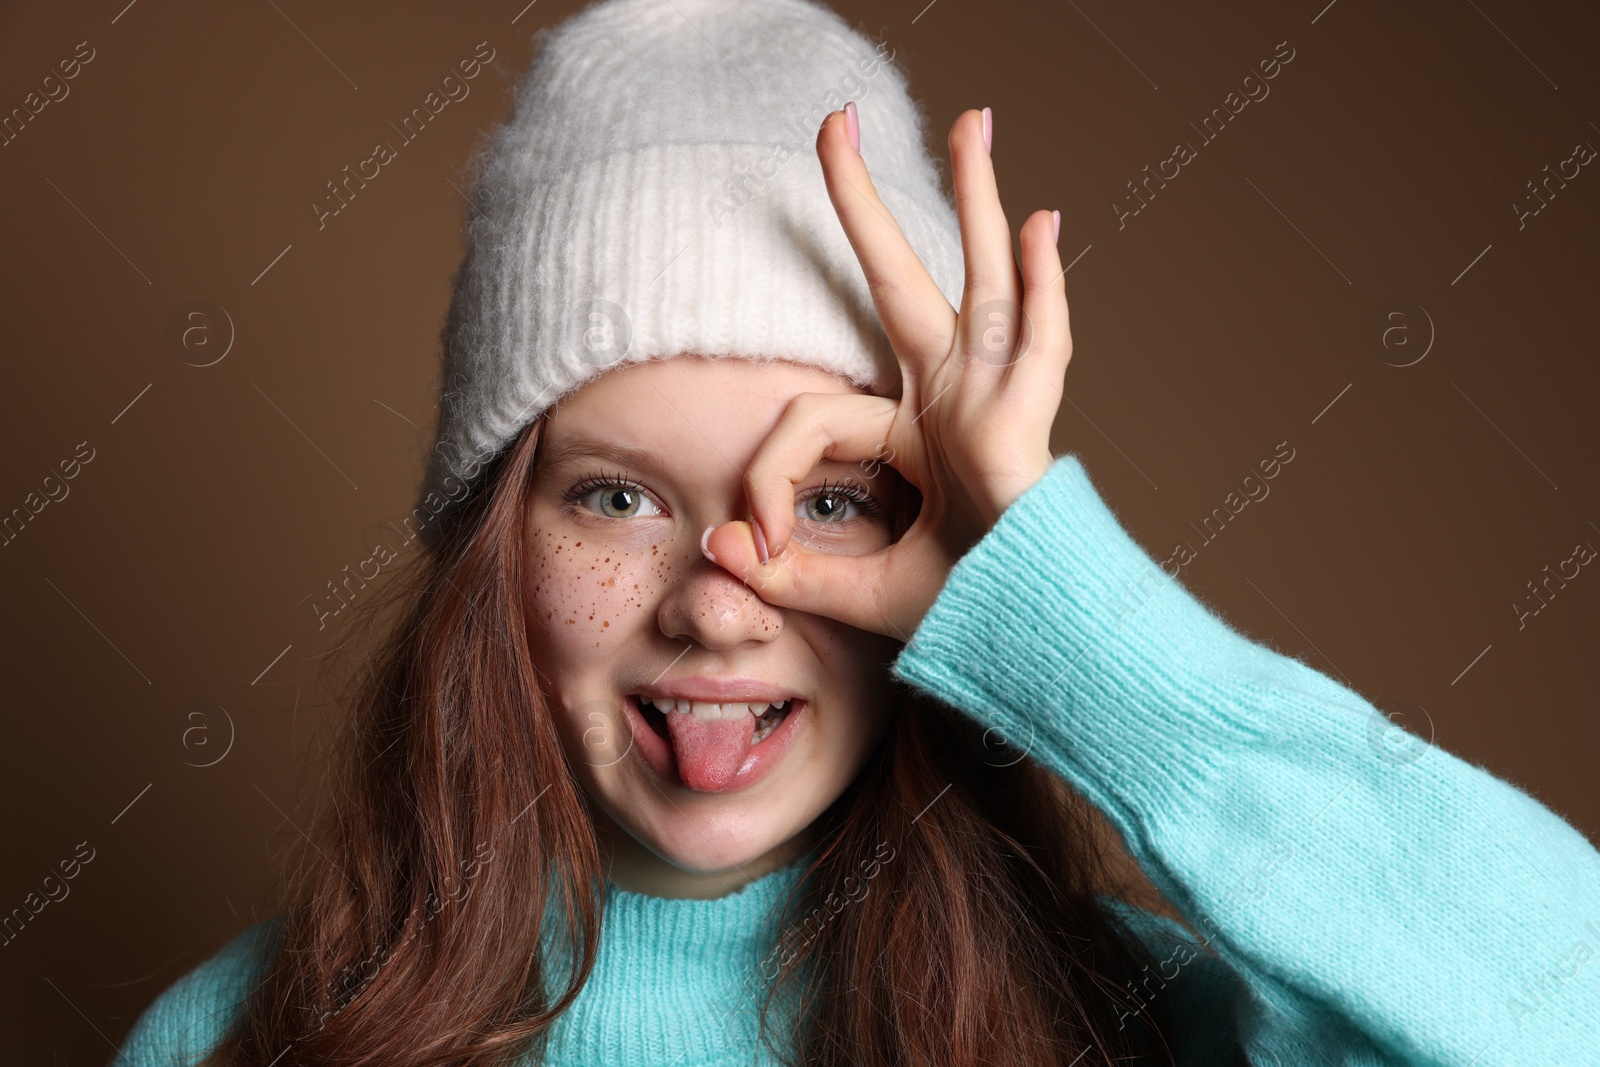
(756, 702)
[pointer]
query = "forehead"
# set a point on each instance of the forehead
(683, 404)
(692, 374)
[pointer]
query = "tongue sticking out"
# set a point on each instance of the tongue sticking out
(709, 751)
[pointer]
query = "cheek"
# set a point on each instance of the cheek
(856, 658)
(585, 594)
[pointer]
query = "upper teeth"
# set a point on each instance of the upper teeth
(701, 709)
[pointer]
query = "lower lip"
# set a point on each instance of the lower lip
(763, 756)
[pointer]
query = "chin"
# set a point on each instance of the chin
(705, 833)
(694, 854)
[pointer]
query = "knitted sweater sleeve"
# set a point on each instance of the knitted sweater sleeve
(188, 1020)
(1367, 903)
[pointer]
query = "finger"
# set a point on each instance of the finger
(989, 301)
(915, 314)
(985, 233)
(847, 588)
(1044, 302)
(813, 427)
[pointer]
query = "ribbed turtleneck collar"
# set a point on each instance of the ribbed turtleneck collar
(678, 981)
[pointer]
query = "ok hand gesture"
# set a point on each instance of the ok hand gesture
(971, 429)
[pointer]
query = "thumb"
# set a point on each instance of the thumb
(839, 587)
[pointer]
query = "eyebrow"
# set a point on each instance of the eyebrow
(576, 446)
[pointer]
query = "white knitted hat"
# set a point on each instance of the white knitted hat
(657, 192)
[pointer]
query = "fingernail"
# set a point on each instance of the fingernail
(988, 129)
(1057, 216)
(761, 541)
(703, 538)
(852, 125)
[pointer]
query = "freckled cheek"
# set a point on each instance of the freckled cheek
(582, 596)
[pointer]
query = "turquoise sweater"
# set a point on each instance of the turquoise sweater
(1362, 898)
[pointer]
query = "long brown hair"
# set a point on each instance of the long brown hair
(948, 916)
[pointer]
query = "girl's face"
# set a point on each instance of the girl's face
(621, 603)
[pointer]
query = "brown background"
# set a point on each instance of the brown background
(1230, 315)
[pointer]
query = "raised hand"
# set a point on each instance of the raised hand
(971, 429)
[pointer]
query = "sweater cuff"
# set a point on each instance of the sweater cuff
(1060, 633)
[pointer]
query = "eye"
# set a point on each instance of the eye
(618, 497)
(829, 506)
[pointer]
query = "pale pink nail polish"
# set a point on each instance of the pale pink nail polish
(1057, 216)
(852, 125)
(761, 541)
(988, 129)
(705, 536)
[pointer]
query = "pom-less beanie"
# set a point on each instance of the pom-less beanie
(656, 192)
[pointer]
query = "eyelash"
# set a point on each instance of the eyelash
(850, 491)
(600, 481)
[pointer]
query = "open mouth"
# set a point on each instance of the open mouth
(767, 716)
(712, 747)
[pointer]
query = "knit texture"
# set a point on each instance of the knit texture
(1359, 902)
(657, 192)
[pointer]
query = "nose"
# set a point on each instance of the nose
(715, 610)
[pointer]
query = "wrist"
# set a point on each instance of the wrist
(1022, 477)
